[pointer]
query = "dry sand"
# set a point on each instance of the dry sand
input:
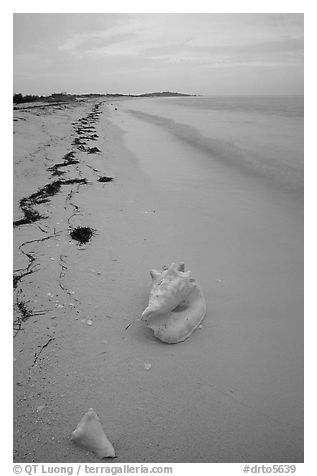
(230, 393)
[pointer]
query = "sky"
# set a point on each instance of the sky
(194, 53)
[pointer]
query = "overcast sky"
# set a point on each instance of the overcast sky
(136, 53)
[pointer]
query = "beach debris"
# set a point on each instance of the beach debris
(90, 435)
(74, 180)
(81, 234)
(78, 141)
(89, 322)
(105, 179)
(93, 150)
(68, 160)
(43, 195)
(147, 366)
(40, 408)
(24, 311)
(176, 304)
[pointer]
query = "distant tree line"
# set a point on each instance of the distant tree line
(63, 96)
(18, 98)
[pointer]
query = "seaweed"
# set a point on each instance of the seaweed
(26, 313)
(30, 216)
(105, 179)
(93, 150)
(82, 234)
(56, 172)
(78, 141)
(42, 196)
(71, 181)
(18, 277)
(82, 148)
(69, 155)
(68, 160)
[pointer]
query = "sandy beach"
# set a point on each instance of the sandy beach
(232, 392)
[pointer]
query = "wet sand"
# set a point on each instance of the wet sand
(233, 391)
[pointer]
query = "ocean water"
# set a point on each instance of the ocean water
(262, 137)
(222, 184)
(286, 106)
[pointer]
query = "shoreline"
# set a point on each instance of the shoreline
(227, 394)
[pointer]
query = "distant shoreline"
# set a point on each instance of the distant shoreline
(64, 98)
(19, 98)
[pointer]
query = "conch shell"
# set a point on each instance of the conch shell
(176, 304)
(89, 435)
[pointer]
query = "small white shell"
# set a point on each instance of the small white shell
(176, 304)
(89, 435)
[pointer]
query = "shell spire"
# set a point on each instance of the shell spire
(169, 289)
(176, 304)
(89, 435)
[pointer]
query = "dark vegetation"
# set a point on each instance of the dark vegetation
(68, 160)
(82, 234)
(28, 206)
(19, 98)
(25, 314)
(79, 141)
(42, 196)
(105, 179)
(93, 150)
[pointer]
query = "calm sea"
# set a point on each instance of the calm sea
(287, 106)
(262, 136)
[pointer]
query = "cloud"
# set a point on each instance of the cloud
(282, 51)
(81, 49)
(81, 43)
